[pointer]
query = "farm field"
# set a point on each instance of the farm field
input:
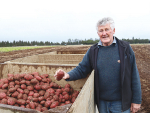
(142, 54)
(8, 49)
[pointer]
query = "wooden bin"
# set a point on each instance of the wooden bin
(84, 103)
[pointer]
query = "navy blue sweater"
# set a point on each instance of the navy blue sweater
(109, 72)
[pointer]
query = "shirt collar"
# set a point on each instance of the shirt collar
(100, 43)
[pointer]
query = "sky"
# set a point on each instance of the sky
(60, 20)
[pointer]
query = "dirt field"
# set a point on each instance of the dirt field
(142, 54)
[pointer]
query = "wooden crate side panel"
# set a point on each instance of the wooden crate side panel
(84, 103)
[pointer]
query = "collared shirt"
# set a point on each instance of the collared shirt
(100, 43)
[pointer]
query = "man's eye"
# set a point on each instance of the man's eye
(107, 29)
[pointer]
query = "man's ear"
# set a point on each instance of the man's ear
(114, 31)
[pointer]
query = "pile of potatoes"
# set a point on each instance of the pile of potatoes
(35, 91)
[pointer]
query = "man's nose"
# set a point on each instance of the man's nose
(104, 32)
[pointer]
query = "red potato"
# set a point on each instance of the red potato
(11, 78)
(67, 85)
(34, 81)
(11, 90)
(1, 84)
(3, 90)
(57, 93)
(60, 96)
(36, 104)
(21, 102)
(28, 83)
(27, 101)
(67, 89)
(41, 92)
(38, 109)
(28, 77)
(11, 86)
(63, 93)
(66, 96)
(5, 86)
(36, 95)
(41, 98)
(2, 95)
(23, 81)
(45, 87)
(26, 91)
(4, 101)
(24, 96)
(49, 80)
(55, 97)
(60, 75)
(32, 105)
(63, 100)
(43, 109)
(27, 106)
(73, 99)
(17, 86)
(55, 85)
(23, 86)
(39, 105)
(16, 76)
(50, 90)
(46, 95)
(30, 98)
(51, 84)
(35, 73)
(62, 104)
(17, 82)
(20, 90)
(35, 99)
(48, 99)
(22, 75)
(59, 90)
(59, 100)
(31, 93)
(20, 96)
(46, 75)
(44, 80)
(67, 102)
(15, 94)
(22, 106)
(42, 102)
(30, 88)
(38, 78)
(12, 83)
(11, 101)
(54, 104)
(5, 80)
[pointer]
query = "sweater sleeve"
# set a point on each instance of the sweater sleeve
(136, 84)
(82, 70)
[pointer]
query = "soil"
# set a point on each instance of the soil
(142, 54)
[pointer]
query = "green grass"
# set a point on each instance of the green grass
(8, 49)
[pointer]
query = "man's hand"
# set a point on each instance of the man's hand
(66, 75)
(135, 107)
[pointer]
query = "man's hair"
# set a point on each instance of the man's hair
(104, 21)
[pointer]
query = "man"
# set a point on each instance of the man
(116, 79)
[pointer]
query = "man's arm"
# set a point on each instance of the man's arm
(81, 71)
(136, 85)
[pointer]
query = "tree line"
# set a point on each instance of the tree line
(69, 42)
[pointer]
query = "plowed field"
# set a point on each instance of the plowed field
(142, 54)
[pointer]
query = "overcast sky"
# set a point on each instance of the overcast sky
(60, 20)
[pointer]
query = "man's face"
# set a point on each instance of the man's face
(106, 34)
